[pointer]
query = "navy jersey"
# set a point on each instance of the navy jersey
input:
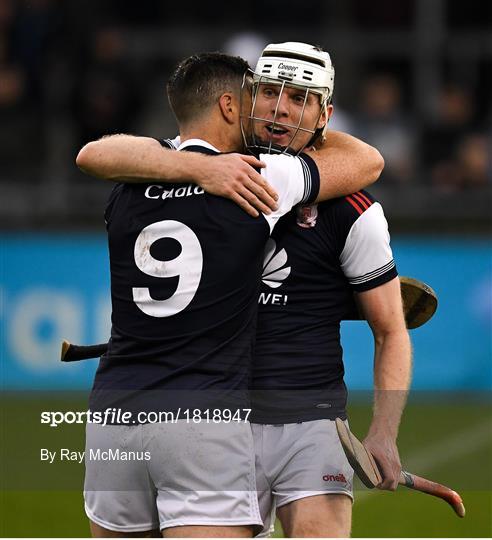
(316, 258)
(185, 274)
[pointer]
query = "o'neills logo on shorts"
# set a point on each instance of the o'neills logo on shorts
(335, 478)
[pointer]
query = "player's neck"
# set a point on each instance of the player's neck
(219, 138)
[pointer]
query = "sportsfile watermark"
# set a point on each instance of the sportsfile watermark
(113, 415)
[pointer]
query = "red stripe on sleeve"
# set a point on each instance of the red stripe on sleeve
(354, 204)
(368, 201)
(361, 200)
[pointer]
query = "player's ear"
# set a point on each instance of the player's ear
(325, 116)
(228, 107)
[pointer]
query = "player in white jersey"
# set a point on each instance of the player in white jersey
(183, 340)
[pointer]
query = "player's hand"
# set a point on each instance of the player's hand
(233, 176)
(385, 452)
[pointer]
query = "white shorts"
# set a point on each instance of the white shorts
(295, 461)
(154, 476)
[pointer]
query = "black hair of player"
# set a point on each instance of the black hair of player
(198, 82)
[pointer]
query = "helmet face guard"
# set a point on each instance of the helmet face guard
(252, 120)
(288, 65)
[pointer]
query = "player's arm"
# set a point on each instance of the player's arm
(126, 158)
(346, 165)
(339, 166)
(367, 261)
(382, 307)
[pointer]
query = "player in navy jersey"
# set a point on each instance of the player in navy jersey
(185, 269)
(320, 258)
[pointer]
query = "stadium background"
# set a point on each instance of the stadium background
(414, 78)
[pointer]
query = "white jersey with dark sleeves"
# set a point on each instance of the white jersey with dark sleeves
(367, 252)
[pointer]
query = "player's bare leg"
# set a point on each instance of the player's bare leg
(100, 532)
(198, 531)
(320, 516)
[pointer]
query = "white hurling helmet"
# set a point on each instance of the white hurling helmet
(298, 65)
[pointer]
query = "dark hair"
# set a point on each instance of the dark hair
(199, 81)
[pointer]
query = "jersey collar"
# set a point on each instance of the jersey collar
(197, 142)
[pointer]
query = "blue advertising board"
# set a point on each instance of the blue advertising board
(453, 351)
(56, 287)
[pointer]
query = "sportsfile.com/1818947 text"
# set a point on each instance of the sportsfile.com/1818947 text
(119, 416)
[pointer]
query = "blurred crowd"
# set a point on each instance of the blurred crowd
(447, 150)
(72, 71)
